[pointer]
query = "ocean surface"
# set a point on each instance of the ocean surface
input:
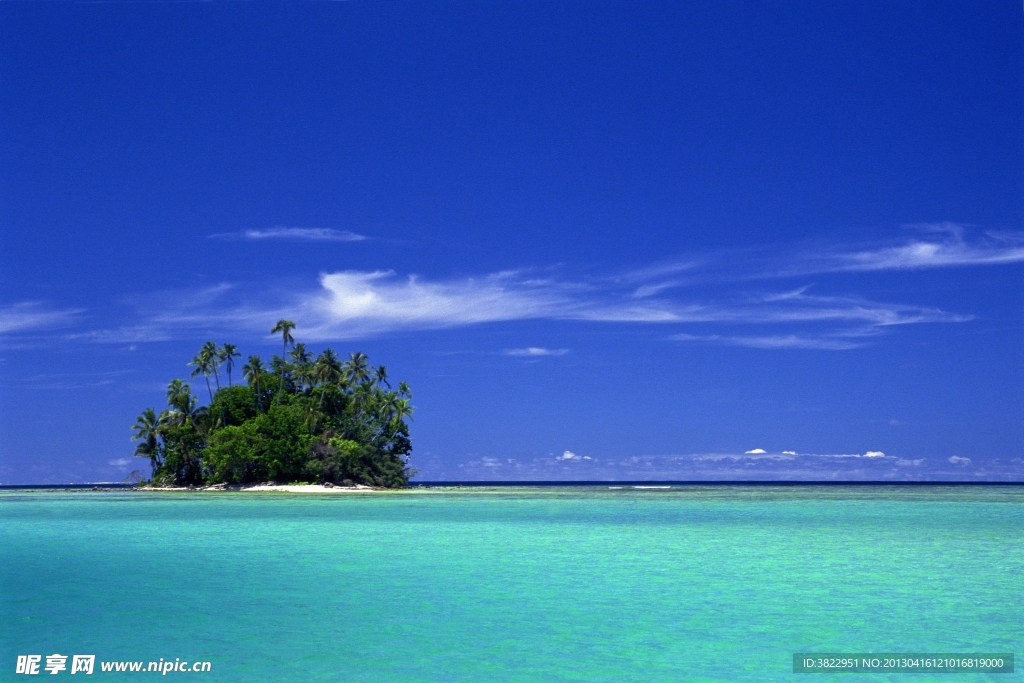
(696, 583)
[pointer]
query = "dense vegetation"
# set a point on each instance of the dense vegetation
(300, 419)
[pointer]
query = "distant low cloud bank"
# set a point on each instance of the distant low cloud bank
(756, 465)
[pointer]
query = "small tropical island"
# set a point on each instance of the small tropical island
(298, 420)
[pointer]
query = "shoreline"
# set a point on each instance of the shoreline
(267, 487)
(510, 487)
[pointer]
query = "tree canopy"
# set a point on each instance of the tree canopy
(299, 419)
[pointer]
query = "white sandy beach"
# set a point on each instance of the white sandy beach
(283, 488)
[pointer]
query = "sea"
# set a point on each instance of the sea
(545, 584)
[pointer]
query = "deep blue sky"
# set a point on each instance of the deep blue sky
(599, 239)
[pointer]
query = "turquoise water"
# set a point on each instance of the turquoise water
(688, 584)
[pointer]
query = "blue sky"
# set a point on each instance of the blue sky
(600, 240)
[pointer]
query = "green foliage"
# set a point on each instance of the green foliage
(309, 420)
(234, 405)
(182, 458)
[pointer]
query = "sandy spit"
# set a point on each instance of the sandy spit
(283, 488)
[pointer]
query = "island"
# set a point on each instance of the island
(297, 420)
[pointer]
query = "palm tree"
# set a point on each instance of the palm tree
(356, 367)
(205, 421)
(175, 391)
(363, 397)
(303, 369)
(227, 354)
(380, 376)
(326, 370)
(181, 401)
(280, 367)
(391, 411)
(254, 371)
(327, 367)
(304, 376)
(148, 429)
(285, 327)
(203, 363)
(399, 410)
(404, 391)
(210, 351)
(299, 355)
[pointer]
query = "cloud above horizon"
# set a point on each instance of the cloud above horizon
(354, 304)
(361, 304)
(785, 466)
(535, 352)
(949, 248)
(934, 245)
(33, 315)
(569, 455)
(293, 234)
(788, 341)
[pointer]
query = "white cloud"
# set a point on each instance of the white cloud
(32, 315)
(645, 291)
(946, 247)
(378, 301)
(957, 460)
(534, 351)
(358, 304)
(788, 341)
(294, 234)
(120, 462)
(761, 454)
(711, 467)
(569, 455)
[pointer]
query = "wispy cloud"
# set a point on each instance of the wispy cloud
(535, 351)
(33, 315)
(293, 234)
(943, 245)
(927, 246)
(351, 304)
(787, 341)
(174, 314)
(359, 304)
(355, 303)
(74, 380)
